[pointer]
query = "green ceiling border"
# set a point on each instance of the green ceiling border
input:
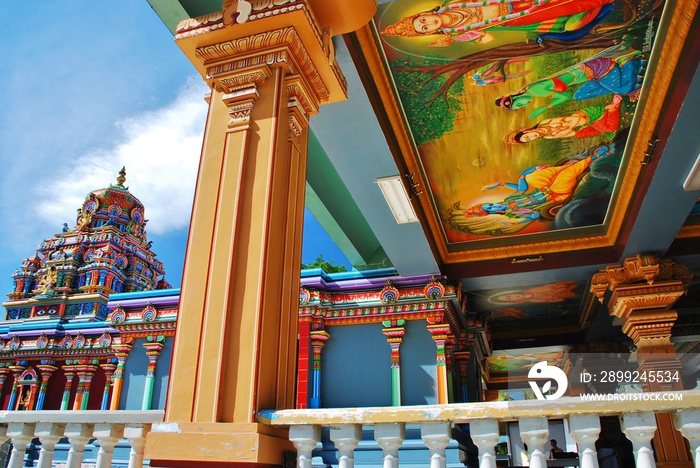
(334, 208)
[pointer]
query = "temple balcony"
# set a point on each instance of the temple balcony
(77, 438)
(440, 425)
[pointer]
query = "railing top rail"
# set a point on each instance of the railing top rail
(88, 416)
(501, 410)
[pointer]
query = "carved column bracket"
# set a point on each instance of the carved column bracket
(644, 268)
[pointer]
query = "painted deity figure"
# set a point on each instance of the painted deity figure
(584, 123)
(598, 76)
(474, 22)
(537, 188)
(48, 281)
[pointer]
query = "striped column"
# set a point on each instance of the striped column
(85, 374)
(47, 369)
(318, 338)
(122, 351)
(16, 372)
(394, 331)
(69, 373)
(153, 345)
(440, 332)
(108, 369)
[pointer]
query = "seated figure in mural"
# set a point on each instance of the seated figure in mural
(600, 76)
(584, 123)
(474, 21)
(537, 193)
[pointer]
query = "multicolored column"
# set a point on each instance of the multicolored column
(69, 373)
(108, 369)
(440, 332)
(16, 372)
(153, 345)
(122, 351)
(318, 337)
(47, 368)
(394, 331)
(85, 374)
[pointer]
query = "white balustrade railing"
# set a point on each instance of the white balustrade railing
(107, 428)
(637, 415)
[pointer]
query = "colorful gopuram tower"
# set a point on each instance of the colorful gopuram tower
(57, 340)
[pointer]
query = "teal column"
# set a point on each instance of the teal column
(66, 390)
(153, 345)
(394, 331)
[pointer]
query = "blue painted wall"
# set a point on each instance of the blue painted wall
(356, 367)
(134, 377)
(162, 374)
(418, 379)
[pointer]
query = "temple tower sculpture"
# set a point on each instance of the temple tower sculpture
(45, 361)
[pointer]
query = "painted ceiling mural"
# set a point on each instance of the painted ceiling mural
(546, 305)
(520, 110)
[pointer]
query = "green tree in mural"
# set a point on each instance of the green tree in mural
(326, 265)
(442, 79)
(430, 106)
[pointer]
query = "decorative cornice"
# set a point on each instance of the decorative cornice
(280, 47)
(639, 269)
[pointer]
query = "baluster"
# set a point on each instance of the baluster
(534, 432)
(688, 422)
(78, 435)
(639, 428)
(3, 433)
(136, 436)
(484, 433)
(107, 436)
(21, 434)
(305, 438)
(390, 437)
(49, 434)
(346, 438)
(436, 436)
(585, 429)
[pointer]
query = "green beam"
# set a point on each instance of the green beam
(336, 211)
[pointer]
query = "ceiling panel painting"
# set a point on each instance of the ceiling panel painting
(519, 112)
(546, 308)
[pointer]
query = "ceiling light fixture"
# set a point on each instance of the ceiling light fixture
(692, 182)
(396, 197)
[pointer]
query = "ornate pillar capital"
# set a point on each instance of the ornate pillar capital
(644, 288)
(635, 271)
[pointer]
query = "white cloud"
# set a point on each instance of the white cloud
(160, 150)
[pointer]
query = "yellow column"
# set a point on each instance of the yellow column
(269, 69)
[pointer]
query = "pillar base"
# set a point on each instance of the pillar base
(185, 445)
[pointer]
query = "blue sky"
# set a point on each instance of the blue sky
(88, 87)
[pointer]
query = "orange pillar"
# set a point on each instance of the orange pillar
(269, 70)
(643, 289)
(440, 332)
